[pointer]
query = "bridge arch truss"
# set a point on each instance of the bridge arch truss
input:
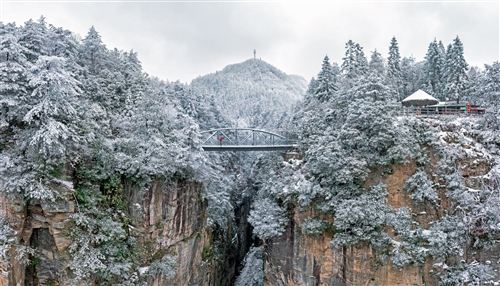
(245, 139)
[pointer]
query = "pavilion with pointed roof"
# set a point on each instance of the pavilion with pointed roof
(419, 98)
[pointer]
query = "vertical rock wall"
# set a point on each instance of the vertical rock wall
(40, 226)
(296, 258)
(173, 221)
(167, 218)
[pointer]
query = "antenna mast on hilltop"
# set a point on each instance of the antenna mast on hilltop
(254, 52)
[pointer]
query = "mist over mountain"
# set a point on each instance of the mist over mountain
(252, 93)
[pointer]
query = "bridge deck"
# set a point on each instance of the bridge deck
(251, 148)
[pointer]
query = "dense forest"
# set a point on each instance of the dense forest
(84, 124)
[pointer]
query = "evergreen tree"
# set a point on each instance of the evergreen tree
(53, 113)
(49, 135)
(433, 70)
(354, 63)
(362, 62)
(443, 65)
(447, 62)
(473, 81)
(361, 130)
(152, 131)
(326, 82)
(456, 71)
(376, 64)
(394, 73)
(267, 218)
(34, 36)
(412, 74)
(13, 71)
(313, 85)
(489, 86)
(62, 43)
(93, 51)
(441, 49)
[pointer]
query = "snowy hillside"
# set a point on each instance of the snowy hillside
(104, 181)
(430, 217)
(252, 93)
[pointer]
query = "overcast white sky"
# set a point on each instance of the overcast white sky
(185, 39)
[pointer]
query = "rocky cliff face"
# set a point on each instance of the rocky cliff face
(169, 219)
(296, 258)
(40, 226)
(173, 220)
(166, 218)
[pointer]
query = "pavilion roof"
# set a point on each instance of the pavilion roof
(419, 98)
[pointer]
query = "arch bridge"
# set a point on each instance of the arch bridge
(245, 139)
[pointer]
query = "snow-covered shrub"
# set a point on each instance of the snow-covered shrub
(267, 218)
(313, 226)
(166, 267)
(101, 248)
(87, 260)
(118, 259)
(23, 178)
(331, 164)
(252, 273)
(422, 157)
(401, 221)
(6, 237)
(466, 274)
(407, 248)
(483, 219)
(217, 192)
(454, 181)
(23, 254)
(447, 237)
(420, 187)
(411, 134)
(361, 218)
(286, 181)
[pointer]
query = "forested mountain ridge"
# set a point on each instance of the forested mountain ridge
(102, 175)
(103, 180)
(252, 93)
(382, 196)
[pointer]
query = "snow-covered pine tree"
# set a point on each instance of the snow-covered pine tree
(354, 63)
(93, 51)
(362, 62)
(62, 43)
(473, 80)
(326, 82)
(456, 71)
(489, 89)
(359, 128)
(13, 71)
(412, 75)
(490, 86)
(394, 74)
(376, 64)
(49, 136)
(348, 66)
(443, 65)
(312, 86)
(433, 70)
(34, 36)
(267, 218)
(53, 112)
(368, 128)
